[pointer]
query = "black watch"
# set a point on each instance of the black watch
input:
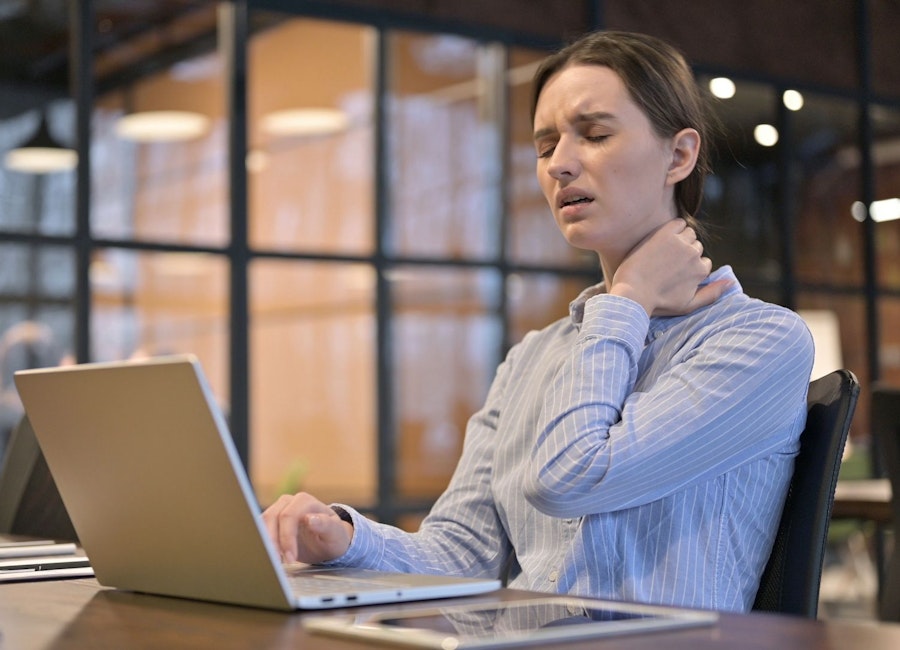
(343, 514)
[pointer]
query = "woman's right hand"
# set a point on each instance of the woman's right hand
(306, 530)
(664, 271)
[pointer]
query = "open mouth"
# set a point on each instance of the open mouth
(576, 201)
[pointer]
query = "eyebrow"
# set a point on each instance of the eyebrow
(581, 117)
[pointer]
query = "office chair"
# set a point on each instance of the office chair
(886, 435)
(790, 581)
(30, 504)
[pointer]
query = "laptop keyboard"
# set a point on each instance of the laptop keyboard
(323, 583)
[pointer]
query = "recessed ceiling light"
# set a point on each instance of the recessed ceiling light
(766, 135)
(162, 126)
(792, 99)
(722, 87)
(885, 210)
(304, 122)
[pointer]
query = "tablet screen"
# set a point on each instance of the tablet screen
(520, 622)
(520, 617)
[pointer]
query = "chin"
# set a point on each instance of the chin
(580, 240)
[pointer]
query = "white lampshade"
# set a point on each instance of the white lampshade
(826, 332)
(162, 126)
(296, 122)
(41, 154)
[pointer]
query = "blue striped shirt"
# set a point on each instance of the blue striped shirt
(626, 457)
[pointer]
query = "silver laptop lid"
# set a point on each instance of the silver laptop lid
(150, 477)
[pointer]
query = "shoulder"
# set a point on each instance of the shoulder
(741, 310)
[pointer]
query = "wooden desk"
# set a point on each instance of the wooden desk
(866, 499)
(79, 614)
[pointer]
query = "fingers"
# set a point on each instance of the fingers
(709, 293)
(322, 536)
(305, 529)
(665, 270)
(285, 520)
(273, 522)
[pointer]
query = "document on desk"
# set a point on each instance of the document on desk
(28, 558)
(13, 546)
(45, 568)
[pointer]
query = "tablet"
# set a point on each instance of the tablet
(510, 623)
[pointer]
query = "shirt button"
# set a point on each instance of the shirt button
(553, 576)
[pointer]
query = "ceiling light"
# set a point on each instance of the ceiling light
(792, 99)
(722, 87)
(41, 154)
(765, 134)
(162, 126)
(885, 210)
(304, 122)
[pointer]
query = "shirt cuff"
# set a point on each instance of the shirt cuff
(364, 544)
(618, 317)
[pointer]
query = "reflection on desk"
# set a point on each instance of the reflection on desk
(863, 499)
(79, 614)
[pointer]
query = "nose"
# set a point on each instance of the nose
(564, 163)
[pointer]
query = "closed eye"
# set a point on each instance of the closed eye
(545, 147)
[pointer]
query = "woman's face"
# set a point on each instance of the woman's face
(602, 168)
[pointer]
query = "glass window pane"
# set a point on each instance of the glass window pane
(889, 347)
(36, 316)
(446, 343)
(739, 200)
(885, 16)
(167, 181)
(533, 235)
(313, 380)
(850, 313)
(311, 156)
(37, 285)
(828, 240)
(886, 211)
(151, 304)
(37, 202)
(537, 299)
(444, 148)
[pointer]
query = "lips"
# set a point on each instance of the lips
(570, 196)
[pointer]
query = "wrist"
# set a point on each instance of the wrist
(343, 515)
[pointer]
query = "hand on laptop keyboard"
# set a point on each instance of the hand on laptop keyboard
(306, 530)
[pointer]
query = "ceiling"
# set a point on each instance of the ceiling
(131, 37)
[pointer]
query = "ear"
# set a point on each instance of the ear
(685, 149)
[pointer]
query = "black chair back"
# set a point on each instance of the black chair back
(790, 582)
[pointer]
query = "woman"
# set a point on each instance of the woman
(641, 448)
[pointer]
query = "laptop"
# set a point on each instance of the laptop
(148, 472)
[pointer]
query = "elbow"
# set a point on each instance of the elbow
(553, 498)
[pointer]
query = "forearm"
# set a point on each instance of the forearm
(462, 535)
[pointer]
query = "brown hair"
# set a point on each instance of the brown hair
(659, 81)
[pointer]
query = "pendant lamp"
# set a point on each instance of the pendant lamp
(41, 154)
